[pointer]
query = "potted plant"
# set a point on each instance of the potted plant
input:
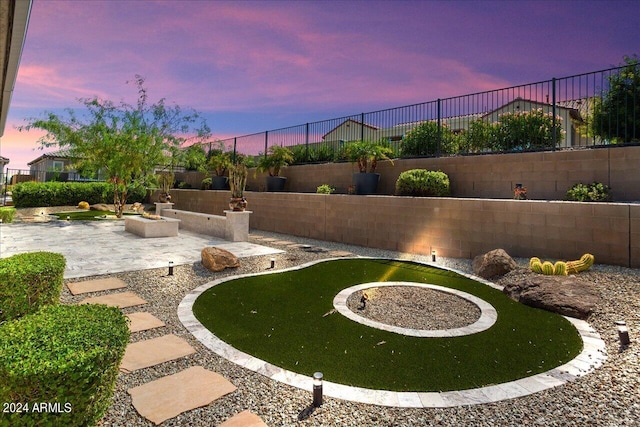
(237, 182)
(367, 154)
(218, 164)
(165, 182)
(278, 158)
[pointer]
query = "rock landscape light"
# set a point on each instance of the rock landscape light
(317, 389)
(170, 268)
(623, 333)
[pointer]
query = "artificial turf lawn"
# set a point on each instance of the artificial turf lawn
(280, 318)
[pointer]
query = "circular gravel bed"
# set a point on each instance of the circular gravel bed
(607, 397)
(414, 308)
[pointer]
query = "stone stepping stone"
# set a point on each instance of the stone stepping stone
(143, 354)
(169, 396)
(340, 253)
(120, 300)
(142, 321)
(244, 419)
(95, 285)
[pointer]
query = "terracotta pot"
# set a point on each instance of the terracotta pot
(238, 204)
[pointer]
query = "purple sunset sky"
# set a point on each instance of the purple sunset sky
(253, 66)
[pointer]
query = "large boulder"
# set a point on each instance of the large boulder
(566, 295)
(102, 207)
(494, 263)
(216, 259)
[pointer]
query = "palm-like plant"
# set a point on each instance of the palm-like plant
(367, 153)
(278, 158)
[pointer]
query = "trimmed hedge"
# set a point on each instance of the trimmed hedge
(422, 183)
(7, 214)
(38, 194)
(29, 281)
(66, 356)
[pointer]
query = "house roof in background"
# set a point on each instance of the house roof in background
(59, 154)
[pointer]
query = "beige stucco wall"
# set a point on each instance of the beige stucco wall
(461, 228)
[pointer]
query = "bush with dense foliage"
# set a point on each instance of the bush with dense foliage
(426, 140)
(7, 214)
(422, 183)
(29, 281)
(67, 355)
(527, 130)
(325, 189)
(595, 192)
(38, 194)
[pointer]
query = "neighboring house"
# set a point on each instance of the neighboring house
(55, 166)
(3, 162)
(351, 130)
(571, 113)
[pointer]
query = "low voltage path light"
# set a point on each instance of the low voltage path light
(317, 389)
(623, 333)
(170, 268)
(273, 263)
(433, 255)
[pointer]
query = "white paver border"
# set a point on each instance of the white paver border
(592, 356)
(488, 314)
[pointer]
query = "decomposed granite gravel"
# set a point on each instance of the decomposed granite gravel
(607, 397)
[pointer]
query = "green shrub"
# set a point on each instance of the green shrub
(7, 214)
(422, 182)
(527, 130)
(595, 192)
(67, 355)
(206, 184)
(325, 189)
(37, 194)
(424, 140)
(184, 185)
(29, 281)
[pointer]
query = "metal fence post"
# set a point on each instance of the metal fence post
(362, 127)
(266, 142)
(553, 109)
(235, 140)
(306, 140)
(439, 128)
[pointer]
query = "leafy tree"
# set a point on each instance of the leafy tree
(617, 117)
(194, 158)
(481, 135)
(125, 142)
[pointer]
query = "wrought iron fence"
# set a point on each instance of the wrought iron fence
(583, 110)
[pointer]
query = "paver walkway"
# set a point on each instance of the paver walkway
(172, 395)
(142, 321)
(94, 248)
(120, 300)
(169, 396)
(244, 419)
(143, 354)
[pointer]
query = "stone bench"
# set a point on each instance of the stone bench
(144, 227)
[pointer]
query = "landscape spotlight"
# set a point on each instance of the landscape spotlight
(433, 256)
(273, 263)
(623, 333)
(317, 389)
(68, 218)
(170, 268)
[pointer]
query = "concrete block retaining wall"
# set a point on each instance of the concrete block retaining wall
(454, 227)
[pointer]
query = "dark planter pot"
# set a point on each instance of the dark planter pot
(276, 183)
(219, 183)
(366, 183)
